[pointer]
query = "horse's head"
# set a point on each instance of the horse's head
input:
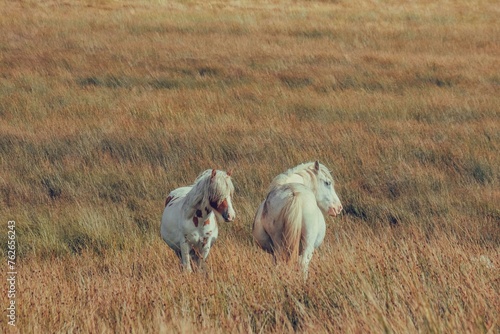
(326, 197)
(221, 190)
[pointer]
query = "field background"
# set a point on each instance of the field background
(106, 106)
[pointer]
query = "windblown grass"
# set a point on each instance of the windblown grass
(106, 106)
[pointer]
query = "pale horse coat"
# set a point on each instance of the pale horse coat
(290, 222)
(189, 220)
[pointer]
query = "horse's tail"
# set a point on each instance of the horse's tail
(292, 228)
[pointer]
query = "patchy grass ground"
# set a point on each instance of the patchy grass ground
(106, 106)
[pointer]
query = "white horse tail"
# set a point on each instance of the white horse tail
(292, 228)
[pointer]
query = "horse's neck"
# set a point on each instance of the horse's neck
(196, 205)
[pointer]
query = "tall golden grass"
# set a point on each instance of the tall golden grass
(106, 106)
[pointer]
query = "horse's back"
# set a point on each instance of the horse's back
(284, 201)
(295, 194)
(180, 192)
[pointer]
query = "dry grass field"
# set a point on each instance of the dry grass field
(106, 106)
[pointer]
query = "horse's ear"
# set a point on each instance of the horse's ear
(213, 174)
(229, 172)
(316, 166)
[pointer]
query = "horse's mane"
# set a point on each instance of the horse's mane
(303, 170)
(203, 190)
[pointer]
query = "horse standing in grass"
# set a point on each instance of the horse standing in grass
(188, 224)
(290, 222)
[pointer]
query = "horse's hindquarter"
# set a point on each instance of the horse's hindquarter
(301, 200)
(258, 231)
(313, 221)
(269, 220)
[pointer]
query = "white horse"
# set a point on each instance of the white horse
(290, 221)
(188, 224)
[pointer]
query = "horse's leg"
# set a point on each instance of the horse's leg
(203, 256)
(305, 259)
(197, 260)
(185, 257)
(205, 251)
